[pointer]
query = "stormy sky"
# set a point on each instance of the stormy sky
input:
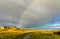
(34, 14)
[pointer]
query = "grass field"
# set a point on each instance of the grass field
(44, 36)
(12, 36)
(34, 35)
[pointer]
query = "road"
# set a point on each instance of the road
(27, 36)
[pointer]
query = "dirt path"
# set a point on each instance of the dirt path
(27, 36)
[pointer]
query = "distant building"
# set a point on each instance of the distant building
(8, 27)
(1, 27)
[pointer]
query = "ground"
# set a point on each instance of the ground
(29, 34)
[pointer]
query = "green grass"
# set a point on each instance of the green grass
(12, 36)
(57, 36)
(42, 36)
(33, 36)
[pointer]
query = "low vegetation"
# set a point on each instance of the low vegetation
(11, 36)
(42, 36)
(34, 35)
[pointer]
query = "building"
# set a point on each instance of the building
(8, 27)
(1, 27)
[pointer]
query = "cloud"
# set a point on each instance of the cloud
(39, 12)
(54, 26)
(11, 10)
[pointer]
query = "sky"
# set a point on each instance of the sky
(31, 14)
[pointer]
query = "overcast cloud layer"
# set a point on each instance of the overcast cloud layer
(12, 12)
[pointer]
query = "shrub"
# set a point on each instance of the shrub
(58, 33)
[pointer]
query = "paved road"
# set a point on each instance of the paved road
(27, 36)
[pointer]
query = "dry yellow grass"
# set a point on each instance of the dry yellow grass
(27, 31)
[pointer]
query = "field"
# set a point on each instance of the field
(34, 35)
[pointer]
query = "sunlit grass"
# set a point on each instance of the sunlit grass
(20, 34)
